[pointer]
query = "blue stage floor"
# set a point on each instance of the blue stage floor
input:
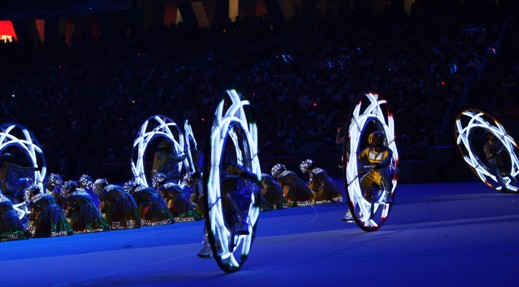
(443, 234)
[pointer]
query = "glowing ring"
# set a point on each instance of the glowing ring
(9, 137)
(367, 214)
(153, 127)
(220, 235)
(189, 138)
(471, 119)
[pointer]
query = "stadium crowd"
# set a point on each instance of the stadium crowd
(84, 102)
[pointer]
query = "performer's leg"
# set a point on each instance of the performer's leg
(206, 251)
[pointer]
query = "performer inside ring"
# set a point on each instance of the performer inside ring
(375, 162)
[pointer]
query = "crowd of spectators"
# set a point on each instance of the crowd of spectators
(84, 102)
(504, 86)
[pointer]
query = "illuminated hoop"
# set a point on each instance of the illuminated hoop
(467, 122)
(370, 110)
(230, 125)
(14, 135)
(153, 127)
(189, 139)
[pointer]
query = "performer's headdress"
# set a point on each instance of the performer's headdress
(69, 187)
(277, 169)
(306, 165)
(86, 181)
(99, 185)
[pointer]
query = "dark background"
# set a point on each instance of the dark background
(103, 67)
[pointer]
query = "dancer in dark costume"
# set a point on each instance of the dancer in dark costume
(166, 161)
(10, 226)
(271, 193)
(54, 185)
(493, 149)
(320, 182)
(239, 187)
(47, 218)
(153, 210)
(194, 185)
(82, 213)
(176, 198)
(14, 178)
(295, 190)
(86, 183)
(119, 209)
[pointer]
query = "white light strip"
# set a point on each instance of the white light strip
(30, 146)
(155, 126)
(362, 115)
(235, 115)
(189, 137)
(475, 119)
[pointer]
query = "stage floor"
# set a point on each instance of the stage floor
(442, 234)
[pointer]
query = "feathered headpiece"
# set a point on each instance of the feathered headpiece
(55, 180)
(306, 165)
(158, 179)
(32, 193)
(99, 185)
(277, 169)
(69, 187)
(130, 186)
(85, 181)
